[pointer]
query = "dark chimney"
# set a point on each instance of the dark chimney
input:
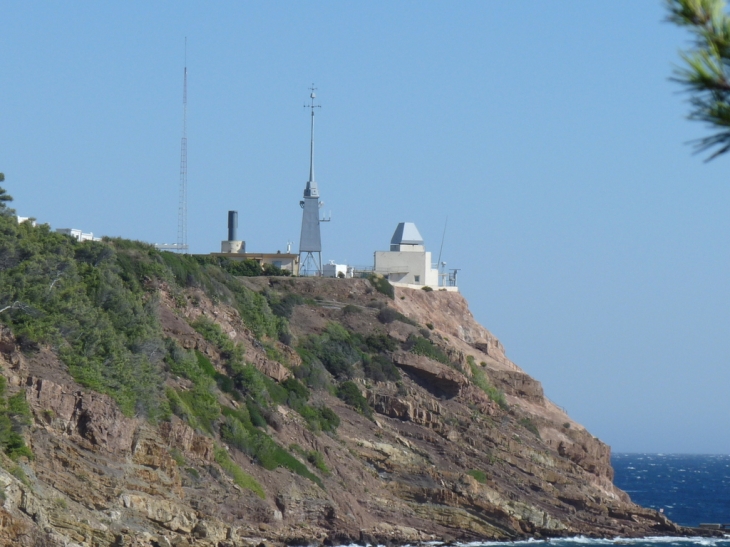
(232, 225)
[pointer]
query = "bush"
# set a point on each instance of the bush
(480, 380)
(284, 307)
(317, 460)
(422, 346)
(351, 308)
(261, 447)
(380, 369)
(382, 285)
(530, 426)
(388, 315)
(312, 372)
(213, 333)
(426, 288)
(14, 417)
(335, 349)
(328, 419)
(380, 343)
(479, 475)
(350, 394)
(242, 479)
(203, 404)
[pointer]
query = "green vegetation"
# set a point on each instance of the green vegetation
(241, 478)
(530, 426)
(380, 343)
(284, 306)
(60, 503)
(317, 460)
(335, 349)
(388, 315)
(339, 351)
(313, 457)
(706, 70)
(95, 303)
(479, 475)
(422, 346)
(382, 285)
(178, 457)
(479, 378)
(14, 417)
(17, 472)
(350, 393)
(380, 368)
(427, 288)
(238, 431)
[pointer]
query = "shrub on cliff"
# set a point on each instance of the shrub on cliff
(422, 346)
(335, 349)
(380, 368)
(382, 285)
(479, 378)
(388, 315)
(350, 394)
(14, 416)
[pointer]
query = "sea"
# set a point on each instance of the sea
(691, 489)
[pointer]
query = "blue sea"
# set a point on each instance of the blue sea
(690, 489)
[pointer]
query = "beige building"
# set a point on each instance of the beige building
(407, 263)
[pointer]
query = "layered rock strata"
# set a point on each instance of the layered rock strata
(440, 460)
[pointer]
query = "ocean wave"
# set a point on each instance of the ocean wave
(582, 540)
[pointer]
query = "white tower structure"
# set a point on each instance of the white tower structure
(310, 241)
(407, 263)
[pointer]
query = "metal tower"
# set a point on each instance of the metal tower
(310, 242)
(182, 211)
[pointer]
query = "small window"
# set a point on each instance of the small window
(417, 278)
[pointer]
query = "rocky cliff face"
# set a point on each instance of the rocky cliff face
(440, 459)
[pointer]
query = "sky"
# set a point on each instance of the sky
(590, 239)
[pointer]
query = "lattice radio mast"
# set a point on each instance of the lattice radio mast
(182, 211)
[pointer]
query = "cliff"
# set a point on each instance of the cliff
(240, 410)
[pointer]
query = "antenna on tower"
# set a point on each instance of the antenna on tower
(442, 239)
(310, 241)
(182, 211)
(440, 264)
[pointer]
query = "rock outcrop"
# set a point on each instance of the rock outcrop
(440, 459)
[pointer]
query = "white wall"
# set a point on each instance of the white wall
(412, 267)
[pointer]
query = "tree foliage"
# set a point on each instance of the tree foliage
(705, 73)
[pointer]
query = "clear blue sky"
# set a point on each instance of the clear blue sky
(590, 240)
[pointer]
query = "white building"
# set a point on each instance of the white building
(78, 234)
(337, 270)
(407, 264)
(26, 219)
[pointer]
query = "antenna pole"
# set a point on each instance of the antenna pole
(442, 240)
(312, 189)
(182, 211)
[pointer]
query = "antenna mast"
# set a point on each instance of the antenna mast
(310, 242)
(182, 211)
(439, 264)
